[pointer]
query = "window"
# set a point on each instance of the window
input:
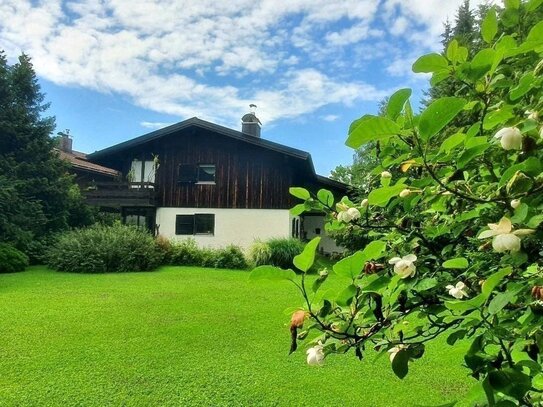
(198, 224)
(147, 169)
(206, 174)
(199, 174)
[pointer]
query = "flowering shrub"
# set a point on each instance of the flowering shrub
(456, 238)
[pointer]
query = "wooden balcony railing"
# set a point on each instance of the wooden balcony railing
(119, 194)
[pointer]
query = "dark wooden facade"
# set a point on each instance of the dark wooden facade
(247, 175)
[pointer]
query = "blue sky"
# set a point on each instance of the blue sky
(117, 69)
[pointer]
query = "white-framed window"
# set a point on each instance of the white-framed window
(196, 174)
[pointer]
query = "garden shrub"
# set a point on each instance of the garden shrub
(187, 253)
(101, 249)
(231, 257)
(260, 253)
(283, 251)
(11, 259)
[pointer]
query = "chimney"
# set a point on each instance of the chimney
(250, 124)
(65, 141)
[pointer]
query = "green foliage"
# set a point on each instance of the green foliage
(451, 231)
(104, 249)
(11, 259)
(187, 253)
(259, 253)
(283, 251)
(37, 196)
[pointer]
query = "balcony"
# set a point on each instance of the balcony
(120, 194)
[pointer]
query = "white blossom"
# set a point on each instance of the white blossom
(504, 239)
(457, 291)
(386, 174)
(353, 213)
(515, 203)
(315, 355)
(364, 203)
(510, 138)
(404, 266)
(405, 193)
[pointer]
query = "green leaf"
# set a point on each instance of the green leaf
(452, 51)
(500, 301)
(350, 266)
(489, 26)
(300, 193)
(400, 363)
(456, 263)
(426, 284)
(381, 196)
(371, 128)
(481, 63)
(325, 197)
(534, 221)
(466, 305)
(500, 116)
(396, 103)
(346, 296)
(510, 382)
(306, 258)
(272, 273)
(374, 250)
(525, 84)
(533, 4)
(512, 4)
(438, 115)
(455, 336)
(297, 210)
(430, 63)
(495, 279)
(452, 141)
(468, 155)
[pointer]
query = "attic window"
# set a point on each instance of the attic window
(199, 174)
(206, 174)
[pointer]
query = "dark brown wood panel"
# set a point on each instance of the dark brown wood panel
(247, 176)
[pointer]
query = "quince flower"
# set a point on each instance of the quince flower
(386, 174)
(394, 351)
(349, 215)
(315, 355)
(515, 203)
(510, 138)
(404, 266)
(458, 290)
(503, 237)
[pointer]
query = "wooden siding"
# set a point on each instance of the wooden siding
(247, 176)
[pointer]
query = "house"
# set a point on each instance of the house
(214, 184)
(86, 173)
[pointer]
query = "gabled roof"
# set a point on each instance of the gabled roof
(234, 134)
(78, 160)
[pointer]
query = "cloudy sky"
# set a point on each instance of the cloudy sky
(116, 69)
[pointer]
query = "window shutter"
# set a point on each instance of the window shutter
(186, 173)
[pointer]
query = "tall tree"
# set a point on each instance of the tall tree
(35, 185)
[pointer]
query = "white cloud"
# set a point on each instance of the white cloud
(154, 125)
(211, 59)
(330, 117)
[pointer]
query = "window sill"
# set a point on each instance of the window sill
(205, 183)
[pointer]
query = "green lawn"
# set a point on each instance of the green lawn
(184, 336)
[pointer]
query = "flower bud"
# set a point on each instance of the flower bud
(340, 206)
(515, 203)
(537, 292)
(364, 203)
(405, 193)
(386, 174)
(532, 115)
(510, 138)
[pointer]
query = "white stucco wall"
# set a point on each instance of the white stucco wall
(232, 226)
(313, 222)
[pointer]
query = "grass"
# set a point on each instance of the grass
(185, 336)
